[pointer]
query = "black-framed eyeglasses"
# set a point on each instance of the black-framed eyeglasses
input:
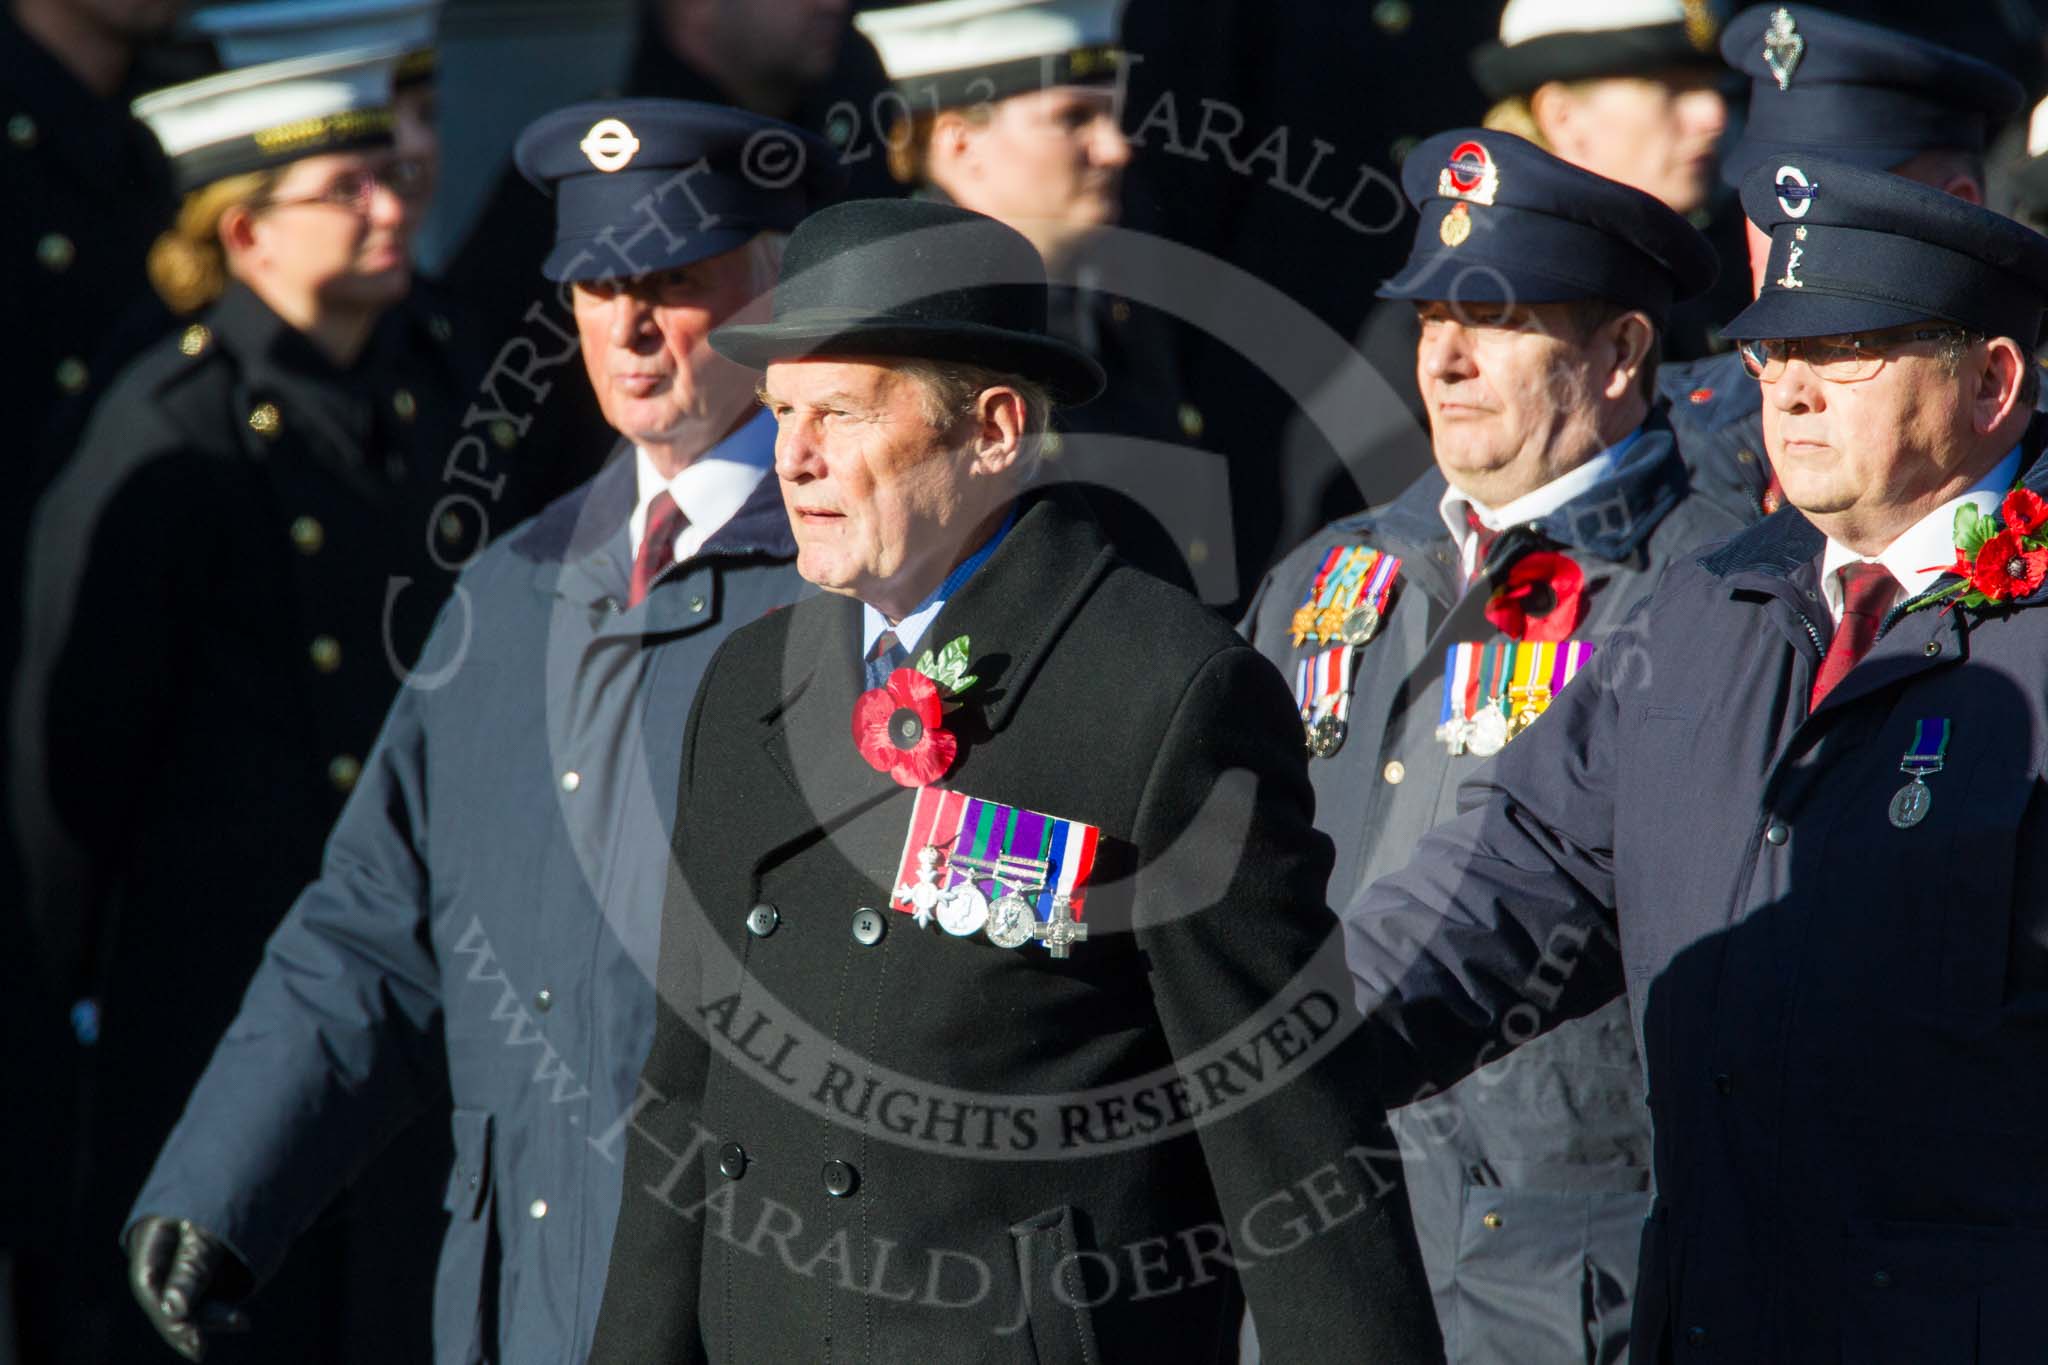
(353, 190)
(1838, 359)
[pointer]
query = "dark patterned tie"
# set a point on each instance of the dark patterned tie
(1487, 535)
(1868, 591)
(665, 522)
(887, 655)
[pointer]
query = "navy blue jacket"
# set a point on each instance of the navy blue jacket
(1842, 1021)
(488, 909)
(1717, 411)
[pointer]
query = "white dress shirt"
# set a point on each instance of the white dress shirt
(714, 485)
(1531, 506)
(1926, 548)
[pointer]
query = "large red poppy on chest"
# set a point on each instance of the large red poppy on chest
(897, 729)
(1542, 598)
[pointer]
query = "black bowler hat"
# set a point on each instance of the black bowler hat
(644, 185)
(1856, 250)
(1856, 92)
(1504, 221)
(911, 278)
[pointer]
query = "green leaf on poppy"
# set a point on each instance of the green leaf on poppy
(1973, 528)
(948, 668)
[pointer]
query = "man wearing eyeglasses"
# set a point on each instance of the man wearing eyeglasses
(1855, 91)
(1803, 785)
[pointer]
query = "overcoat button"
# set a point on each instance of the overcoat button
(55, 252)
(343, 771)
(762, 919)
(867, 927)
(21, 131)
(325, 652)
(839, 1179)
(451, 527)
(1696, 1336)
(1881, 1280)
(1492, 1220)
(538, 1208)
(72, 374)
(571, 780)
(1191, 423)
(543, 999)
(697, 604)
(1931, 648)
(505, 434)
(1745, 457)
(1724, 1084)
(308, 535)
(732, 1161)
(194, 340)
(1777, 833)
(405, 405)
(1394, 772)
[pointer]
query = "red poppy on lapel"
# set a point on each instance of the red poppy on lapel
(2004, 567)
(896, 728)
(1540, 599)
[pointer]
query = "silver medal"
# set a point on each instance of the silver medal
(1489, 734)
(963, 910)
(1361, 623)
(1009, 921)
(1326, 737)
(1911, 804)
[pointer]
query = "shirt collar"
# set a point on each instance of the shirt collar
(711, 487)
(1531, 506)
(1923, 552)
(911, 628)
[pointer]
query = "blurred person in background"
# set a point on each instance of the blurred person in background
(1010, 109)
(83, 192)
(1869, 96)
(483, 929)
(212, 634)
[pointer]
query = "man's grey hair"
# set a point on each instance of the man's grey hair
(951, 389)
(764, 259)
(1955, 345)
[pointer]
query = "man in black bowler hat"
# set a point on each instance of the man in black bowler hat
(994, 1018)
(485, 920)
(1803, 786)
(1860, 93)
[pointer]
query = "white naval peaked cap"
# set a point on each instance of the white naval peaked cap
(279, 30)
(262, 116)
(1526, 19)
(953, 52)
(1563, 40)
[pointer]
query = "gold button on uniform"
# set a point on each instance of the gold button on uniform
(21, 131)
(451, 527)
(308, 535)
(403, 403)
(1190, 421)
(266, 420)
(1492, 1220)
(1745, 457)
(56, 252)
(344, 771)
(1394, 772)
(195, 340)
(325, 653)
(72, 374)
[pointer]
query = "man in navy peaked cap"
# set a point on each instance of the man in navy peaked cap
(1857, 92)
(487, 916)
(1802, 786)
(1423, 635)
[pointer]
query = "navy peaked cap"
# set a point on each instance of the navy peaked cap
(645, 185)
(1504, 221)
(1860, 93)
(1856, 250)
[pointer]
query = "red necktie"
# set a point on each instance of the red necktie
(665, 521)
(1487, 535)
(1868, 591)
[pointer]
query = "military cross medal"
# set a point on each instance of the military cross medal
(1062, 931)
(1930, 746)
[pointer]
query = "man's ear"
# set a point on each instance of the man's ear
(1629, 340)
(1000, 416)
(1999, 381)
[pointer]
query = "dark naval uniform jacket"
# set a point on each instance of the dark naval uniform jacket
(224, 585)
(1530, 1180)
(1841, 1018)
(485, 921)
(860, 1140)
(1717, 410)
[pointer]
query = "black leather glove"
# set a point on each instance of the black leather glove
(183, 1275)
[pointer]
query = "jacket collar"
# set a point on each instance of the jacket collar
(1013, 611)
(1609, 521)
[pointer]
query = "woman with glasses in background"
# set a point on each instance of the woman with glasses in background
(227, 582)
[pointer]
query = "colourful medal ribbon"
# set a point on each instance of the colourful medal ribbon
(1304, 688)
(1382, 585)
(1340, 592)
(1930, 748)
(1303, 623)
